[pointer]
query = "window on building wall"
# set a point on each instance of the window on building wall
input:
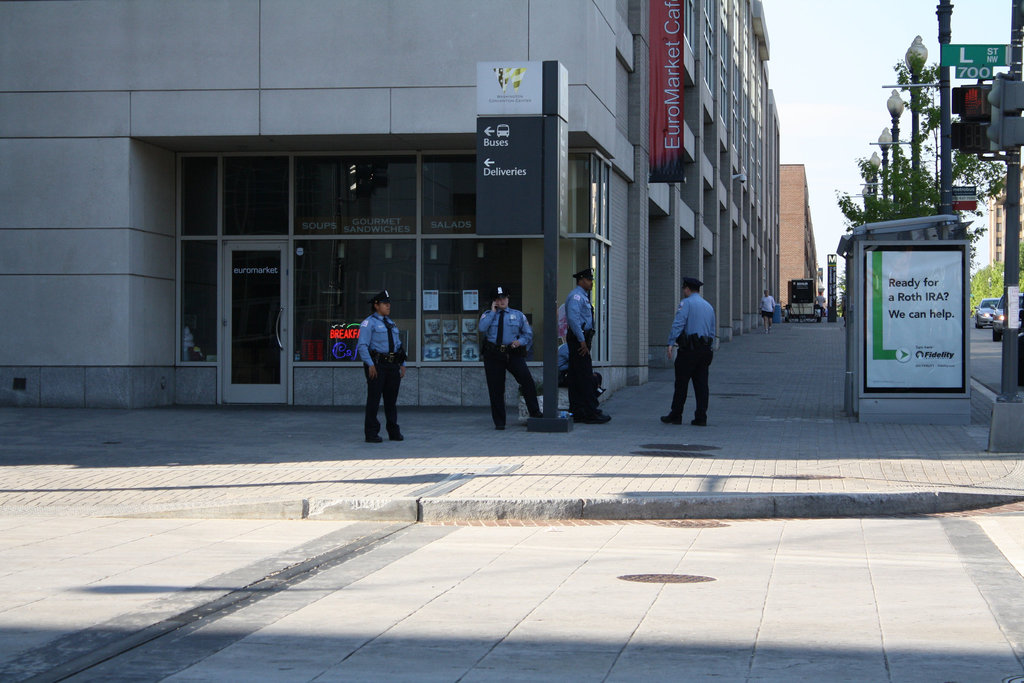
(690, 22)
(449, 195)
(199, 196)
(458, 276)
(256, 195)
(709, 44)
(334, 281)
(355, 195)
(198, 340)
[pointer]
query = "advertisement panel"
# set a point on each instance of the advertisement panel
(666, 93)
(914, 319)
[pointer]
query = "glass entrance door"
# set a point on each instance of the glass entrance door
(256, 320)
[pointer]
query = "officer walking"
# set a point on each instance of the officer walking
(693, 330)
(507, 337)
(380, 349)
(579, 314)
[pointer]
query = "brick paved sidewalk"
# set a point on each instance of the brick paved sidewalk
(776, 428)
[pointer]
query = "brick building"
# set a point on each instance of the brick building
(798, 257)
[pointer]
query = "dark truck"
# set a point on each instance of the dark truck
(801, 302)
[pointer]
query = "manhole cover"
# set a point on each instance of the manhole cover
(666, 578)
(680, 446)
(673, 454)
(687, 523)
(1014, 679)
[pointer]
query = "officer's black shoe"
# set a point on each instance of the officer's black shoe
(374, 439)
(396, 436)
(699, 423)
(670, 420)
(598, 419)
(499, 427)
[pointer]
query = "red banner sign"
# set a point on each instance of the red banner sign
(666, 96)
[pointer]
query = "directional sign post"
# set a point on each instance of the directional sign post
(522, 181)
(975, 61)
(509, 175)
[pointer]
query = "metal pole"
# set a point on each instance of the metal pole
(944, 10)
(895, 152)
(915, 156)
(885, 174)
(1011, 274)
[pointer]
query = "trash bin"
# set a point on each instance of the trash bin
(777, 315)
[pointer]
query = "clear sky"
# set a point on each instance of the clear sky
(828, 63)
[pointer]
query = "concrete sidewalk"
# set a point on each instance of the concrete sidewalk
(777, 445)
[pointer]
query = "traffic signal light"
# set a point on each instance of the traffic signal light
(968, 134)
(1006, 127)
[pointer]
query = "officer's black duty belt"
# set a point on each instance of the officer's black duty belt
(692, 341)
(502, 348)
(397, 357)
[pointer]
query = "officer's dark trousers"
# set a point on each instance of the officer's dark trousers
(495, 365)
(692, 365)
(582, 394)
(389, 377)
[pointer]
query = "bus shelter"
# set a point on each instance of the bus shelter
(907, 304)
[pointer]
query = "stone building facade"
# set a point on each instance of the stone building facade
(200, 196)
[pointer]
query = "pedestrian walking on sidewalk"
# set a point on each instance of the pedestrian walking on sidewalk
(579, 314)
(767, 311)
(507, 337)
(693, 331)
(380, 349)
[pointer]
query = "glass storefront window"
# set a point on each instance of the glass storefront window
(256, 195)
(449, 195)
(372, 195)
(334, 280)
(199, 196)
(198, 340)
(579, 193)
(458, 276)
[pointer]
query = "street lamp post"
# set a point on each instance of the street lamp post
(895, 106)
(917, 55)
(874, 162)
(885, 141)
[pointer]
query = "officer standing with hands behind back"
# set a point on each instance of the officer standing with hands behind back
(380, 349)
(579, 313)
(693, 330)
(507, 337)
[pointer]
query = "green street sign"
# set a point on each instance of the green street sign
(975, 61)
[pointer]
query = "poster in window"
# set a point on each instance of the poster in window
(470, 300)
(430, 299)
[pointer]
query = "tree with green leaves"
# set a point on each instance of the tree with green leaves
(987, 283)
(899, 192)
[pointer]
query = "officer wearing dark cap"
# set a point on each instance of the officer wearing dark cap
(693, 330)
(380, 349)
(579, 314)
(507, 337)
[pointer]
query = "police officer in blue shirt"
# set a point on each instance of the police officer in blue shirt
(507, 337)
(380, 349)
(579, 314)
(693, 330)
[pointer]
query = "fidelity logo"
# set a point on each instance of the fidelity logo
(510, 76)
(935, 354)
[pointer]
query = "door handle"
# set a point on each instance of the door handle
(277, 329)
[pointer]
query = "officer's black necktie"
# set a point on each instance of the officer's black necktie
(499, 339)
(391, 340)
